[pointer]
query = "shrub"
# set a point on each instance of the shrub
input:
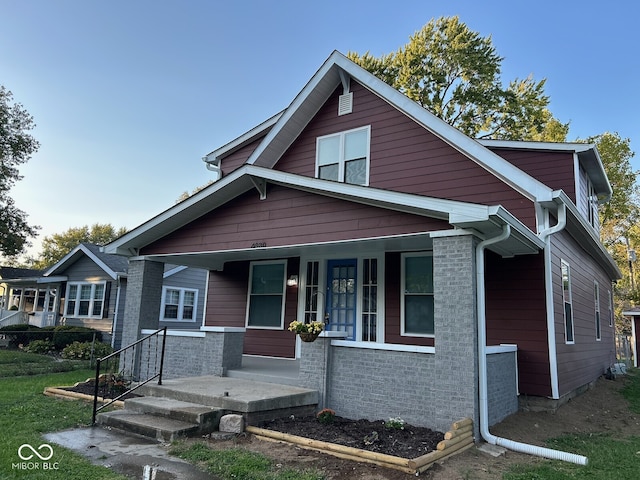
(326, 416)
(22, 333)
(39, 346)
(82, 351)
(64, 335)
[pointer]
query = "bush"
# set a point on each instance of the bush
(22, 333)
(39, 346)
(82, 351)
(64, 335)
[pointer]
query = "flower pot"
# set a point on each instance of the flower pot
(308, 337)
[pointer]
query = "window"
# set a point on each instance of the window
(344, 157)
(417, 294)
(596, 298)
(311, 292)
(265, 308)
(566, 298)
(178, 304)
(369, 299)
(610, 308)
(85, 299)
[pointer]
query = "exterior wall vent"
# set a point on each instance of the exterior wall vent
(345, 103)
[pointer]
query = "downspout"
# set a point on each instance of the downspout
(114, 326)
(482, 370)
(548, 288)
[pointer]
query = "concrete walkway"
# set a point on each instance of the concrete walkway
(129, 455)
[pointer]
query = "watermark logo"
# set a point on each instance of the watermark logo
(30, 456)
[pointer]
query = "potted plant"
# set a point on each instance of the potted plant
(308, 331)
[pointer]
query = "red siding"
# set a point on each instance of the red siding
(227, 304)
(405, 156)
(392, 305)
(288, 217)
(554, 169)
(516, 313)
(587, 359)
(237, 159)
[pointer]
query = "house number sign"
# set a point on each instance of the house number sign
(258, 244)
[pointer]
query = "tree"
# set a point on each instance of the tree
(56, 246)
(455, 73)
(16, 147)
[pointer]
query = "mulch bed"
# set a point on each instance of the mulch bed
(88, 388)
(409, 442)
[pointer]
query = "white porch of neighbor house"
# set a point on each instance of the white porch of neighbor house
(33, 302)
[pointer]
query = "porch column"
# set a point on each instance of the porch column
(144, 295)
(456, 329)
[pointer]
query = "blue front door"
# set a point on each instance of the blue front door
(341, 296)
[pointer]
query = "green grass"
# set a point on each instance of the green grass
(615, 458)
(14, 363)
(238, 464)
(25, 414)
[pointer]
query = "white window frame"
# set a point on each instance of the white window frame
(341, 160)
(610, 308)
(564, 263)
(403, 256)
(284, 294)
(598, 317)
(181, 305)
(76, 309)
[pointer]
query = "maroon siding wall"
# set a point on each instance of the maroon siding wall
(554, 169)
(238, 158)
(392, 305)
(405, 156)
(288, 217)
(227, 306)
(516, 313)
(587, 359)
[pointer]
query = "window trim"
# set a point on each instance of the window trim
(564, 302)
(403, 256)
(182, 291)
(341, 160)
(76, 309)
(598, 316)
(284, 294)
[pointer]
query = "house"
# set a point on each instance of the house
(88, 288)
(22, 298)
(452, 274)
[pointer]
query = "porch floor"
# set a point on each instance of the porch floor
(282, 371)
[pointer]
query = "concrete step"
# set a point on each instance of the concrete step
(263, 377)
(161, 428)
(207, 418)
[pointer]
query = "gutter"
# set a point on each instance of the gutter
(482, 368)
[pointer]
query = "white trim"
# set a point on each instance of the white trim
(597, 311)
(403, 256)
(91, 300)
(284, 293)
(206, 297)
(181, 305)
(175, 333)
(393, 347)
(502, 348)
(341, 160)
(216, 329)
(633, 341)
(82, 248)
(551, 320)
(173, 271)
(341, 334)
(564, 310)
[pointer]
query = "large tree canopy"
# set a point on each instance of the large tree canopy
(56, 246)
(455, 73)
(16, 147)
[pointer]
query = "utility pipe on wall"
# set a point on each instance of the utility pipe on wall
(482, 368)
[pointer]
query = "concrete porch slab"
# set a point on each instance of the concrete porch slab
(234, 394)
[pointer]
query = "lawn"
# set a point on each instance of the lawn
(25, 414)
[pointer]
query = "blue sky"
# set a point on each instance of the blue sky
(128, 96)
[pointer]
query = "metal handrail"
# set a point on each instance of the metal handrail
(139, 384)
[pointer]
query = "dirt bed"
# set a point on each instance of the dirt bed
(88, 388)
(405, 442)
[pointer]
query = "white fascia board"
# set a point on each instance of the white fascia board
(530, 145)
(438, 207)
(69, 258)
(173, 271)
(244, 139)
(516, 225)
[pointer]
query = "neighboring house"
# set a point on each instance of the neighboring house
(434, 258)
(88, 288)
(24, 298)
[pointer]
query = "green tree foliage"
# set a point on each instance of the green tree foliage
(455, 73)
(56, 246)
(16, 147)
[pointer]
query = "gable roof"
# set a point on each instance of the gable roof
(112, 265)
(294, 119)
(19, 274)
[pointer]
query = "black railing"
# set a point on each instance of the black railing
(128, 369)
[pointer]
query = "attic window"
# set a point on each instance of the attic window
(344, 156)
(345, 103)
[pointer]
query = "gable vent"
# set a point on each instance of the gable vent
(345, 103)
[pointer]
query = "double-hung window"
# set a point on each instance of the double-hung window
(178, 304)
(265, 308)
(85, 299)
(417, 294)
(568, 304)
(344, 156)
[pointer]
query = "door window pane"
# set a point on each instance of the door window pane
(266, 295)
